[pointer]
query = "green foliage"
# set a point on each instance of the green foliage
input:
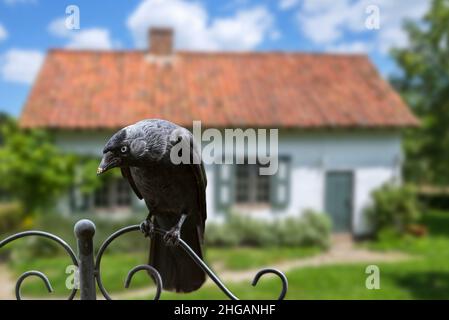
(424, 84)
(36, 173)
(309, 229)
(243, 258)
(220, 235)
(33, 170)
(11, 215)
(251, 231)
(394, 208)
(115, 267)
(86, 179)
(312, 229)
(437, 200)
(423, 275)
(31, 248)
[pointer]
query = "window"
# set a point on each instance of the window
(251, 187)
(123, 193)
(113, 194)
(101, 198)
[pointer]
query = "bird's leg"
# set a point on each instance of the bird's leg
(174, 234)
(147, 226)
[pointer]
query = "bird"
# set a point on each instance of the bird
(174, 194)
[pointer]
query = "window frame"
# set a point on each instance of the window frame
(113, 196)
(253, 186)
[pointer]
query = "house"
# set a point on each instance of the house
(339, 122)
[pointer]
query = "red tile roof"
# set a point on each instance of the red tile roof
(91, 89)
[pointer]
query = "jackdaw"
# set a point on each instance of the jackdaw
(174, 194)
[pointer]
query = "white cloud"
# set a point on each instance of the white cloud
(327, 22)
(351, 47)
(94, 38)
(194, 29)
(89, 38)
(3, 33)
(58, 28)
(287, 4)
(20, 66)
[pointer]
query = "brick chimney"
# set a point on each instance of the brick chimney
(161, 41)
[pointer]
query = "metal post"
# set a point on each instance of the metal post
(84, 232)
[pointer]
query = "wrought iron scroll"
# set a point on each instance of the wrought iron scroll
(194, 256)
(149, 269)
(152, 271)
(39, 274)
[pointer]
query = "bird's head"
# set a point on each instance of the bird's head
(116, 152)
(133, 146)
(139, 144)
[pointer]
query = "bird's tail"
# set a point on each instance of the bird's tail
(178, 271)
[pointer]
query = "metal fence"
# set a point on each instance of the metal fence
(89, 266)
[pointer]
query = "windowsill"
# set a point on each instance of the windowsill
(251, 206)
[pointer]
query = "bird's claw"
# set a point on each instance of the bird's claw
(172, 237)
(147, 228)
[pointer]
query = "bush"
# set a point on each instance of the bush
(62, 226)
(11, 217)
(309, 229)
(251, 232)
(220, 235)
(437, 200)
(394, 207)
(30, 248)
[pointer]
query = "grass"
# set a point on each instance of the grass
(247, 258)
(426, 276)
(115, 266)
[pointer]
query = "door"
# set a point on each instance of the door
(339, 191)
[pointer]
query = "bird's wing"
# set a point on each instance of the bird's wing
(201, 182)
(126, 173)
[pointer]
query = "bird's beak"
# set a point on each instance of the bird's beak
(108, 161)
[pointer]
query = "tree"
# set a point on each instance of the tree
(32, 170)
(424, 84)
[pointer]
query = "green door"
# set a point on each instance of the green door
(339, 200)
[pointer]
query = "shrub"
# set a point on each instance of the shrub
(251, 231)
(309, 229)
(394, 207)
(435, 200)
(34, 171)
(317, 229)
(11, 217)
(62, 226)
(220, 235)
(30, 248)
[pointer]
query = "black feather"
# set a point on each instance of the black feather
(126, 173)
(169, 190)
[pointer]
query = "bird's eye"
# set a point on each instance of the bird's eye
(124, 149)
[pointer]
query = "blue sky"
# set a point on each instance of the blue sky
(28, 28)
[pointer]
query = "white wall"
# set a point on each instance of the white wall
(82, 142)
(373, 156)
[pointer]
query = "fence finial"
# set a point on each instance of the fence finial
(84, 229)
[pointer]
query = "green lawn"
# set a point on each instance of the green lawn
(115, 266)
(426, 276)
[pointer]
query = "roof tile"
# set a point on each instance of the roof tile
(93, 89)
